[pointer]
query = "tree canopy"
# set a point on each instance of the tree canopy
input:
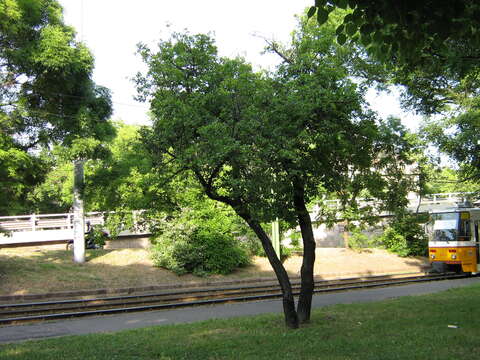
(431, 45)
(265, 144)
(47, 94)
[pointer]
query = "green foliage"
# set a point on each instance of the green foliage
(430, 47)
(448, 180)
(202, 237)
(47, 96)
(459, 138)
(19, 171)
(406, 236)
(198, 242)
(118, 221)
(358, 240)
(395, 242)
(97, 235)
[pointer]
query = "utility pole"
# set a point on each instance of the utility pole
(78, 187)
(276, 237)
(78, 213)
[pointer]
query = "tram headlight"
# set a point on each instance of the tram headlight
(432, 256)
(454, 256)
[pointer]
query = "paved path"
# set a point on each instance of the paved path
(13, 333)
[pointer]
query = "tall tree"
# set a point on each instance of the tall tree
(459, 137)
(262, 144)
(47, 94)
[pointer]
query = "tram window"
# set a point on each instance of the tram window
(476, 231)
(464, 230)
(445, 226)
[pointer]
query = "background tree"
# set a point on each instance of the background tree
(432, 49)
(432, 46)
(47, 95)
(459, 138)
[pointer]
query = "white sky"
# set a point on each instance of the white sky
(112, 28)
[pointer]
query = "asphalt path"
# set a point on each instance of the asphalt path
(112, 323)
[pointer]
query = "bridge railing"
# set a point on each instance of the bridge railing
(39, 222)
(431, 199)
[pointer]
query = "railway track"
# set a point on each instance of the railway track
(51, 310)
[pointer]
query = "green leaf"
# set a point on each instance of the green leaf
(341, 39)
(348, 18)
(340, 29)
(351, 29)
(311, 11)
(320, 3)
(378, 37)
(322, 16)
(366, 29)
(352, 4)
(342, 4)
(366, 40)
(357, 17)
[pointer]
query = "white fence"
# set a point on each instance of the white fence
(426, 201)
(35, 222)
(34, 229)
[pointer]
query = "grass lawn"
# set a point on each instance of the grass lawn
(406, 328)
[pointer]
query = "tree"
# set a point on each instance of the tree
(263, 144)
(432, 46)
(432, 49)
(47, 95)
(459, 137)
(18, 172)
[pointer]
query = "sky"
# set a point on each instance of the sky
(112, 28)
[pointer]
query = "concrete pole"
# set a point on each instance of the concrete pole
(78, 213)
(276, 237)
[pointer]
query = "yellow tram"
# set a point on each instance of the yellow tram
(454, 240)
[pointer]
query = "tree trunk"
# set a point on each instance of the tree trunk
(291, 318)
(307, 278)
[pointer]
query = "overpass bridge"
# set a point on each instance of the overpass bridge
(48, 229)
(42, 229)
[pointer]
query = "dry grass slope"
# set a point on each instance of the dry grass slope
(36, 270)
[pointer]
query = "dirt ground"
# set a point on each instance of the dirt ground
(37, 270)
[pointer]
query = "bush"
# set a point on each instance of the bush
(358, 240)
(98, 235)
(405, 236)
(190, 245)
(395, 242)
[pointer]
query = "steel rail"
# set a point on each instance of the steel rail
(197, 289)
(260, 292)
(182, 295)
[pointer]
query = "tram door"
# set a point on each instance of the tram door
(475, 218)
(477, 242)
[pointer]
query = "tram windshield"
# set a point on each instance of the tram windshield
(451, 227)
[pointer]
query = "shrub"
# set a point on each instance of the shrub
(395, 242)
(189, 245)
(358, 240)
(405, 236)
(98, 235)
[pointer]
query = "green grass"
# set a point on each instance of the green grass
(405, 328)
